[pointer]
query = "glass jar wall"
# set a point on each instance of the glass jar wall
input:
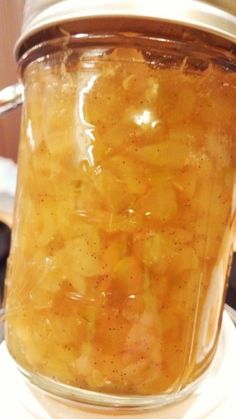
(124, 216)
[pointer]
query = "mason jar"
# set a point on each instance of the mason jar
(125, 209)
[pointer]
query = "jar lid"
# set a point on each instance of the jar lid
(216, 17)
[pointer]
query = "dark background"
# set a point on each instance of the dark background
(10, 22)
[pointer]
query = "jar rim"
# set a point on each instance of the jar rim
(102, 41)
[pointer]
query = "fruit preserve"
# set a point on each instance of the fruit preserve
(124, 218)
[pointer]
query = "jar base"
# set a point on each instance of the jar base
(213, 388)
(104, 400)
(110, 401)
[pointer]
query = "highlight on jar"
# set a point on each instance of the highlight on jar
(124, 219)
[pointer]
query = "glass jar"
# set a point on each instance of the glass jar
(124, 216)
